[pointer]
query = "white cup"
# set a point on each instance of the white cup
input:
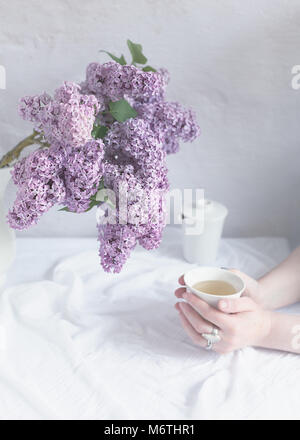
(213, 273)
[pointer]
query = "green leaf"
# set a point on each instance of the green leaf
(120, 60)
(136, 53)
(99, 131)
(101, 185)
(121, 110)
(149, 69)
(65, 209)
(92, 205)
(94, 201)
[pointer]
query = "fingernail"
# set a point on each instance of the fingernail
(185, 295)
(223, 304)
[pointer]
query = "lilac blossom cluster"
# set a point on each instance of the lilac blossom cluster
(134, 167)
(82, 174)
(40, 186)
(171, 122)
(112, 81)
(134, 143)
(55, 176)
(65, 120)
(146, 93)
(128, 159)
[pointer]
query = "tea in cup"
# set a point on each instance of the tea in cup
(212, 284)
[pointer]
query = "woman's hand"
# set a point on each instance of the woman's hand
(253, 288)
(241, 322)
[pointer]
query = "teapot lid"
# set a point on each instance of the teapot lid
(212, 210)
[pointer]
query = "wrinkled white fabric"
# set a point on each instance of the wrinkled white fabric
(76, 343)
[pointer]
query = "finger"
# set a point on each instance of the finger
(181, 280)
(212, 315)
(198, 323)
(250, 283)
(243, 304)
(195, 337)
(179, 292)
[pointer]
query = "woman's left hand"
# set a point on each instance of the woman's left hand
(241, 322)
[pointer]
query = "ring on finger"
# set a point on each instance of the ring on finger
(211, 338)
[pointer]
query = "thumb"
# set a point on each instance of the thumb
(237, 305)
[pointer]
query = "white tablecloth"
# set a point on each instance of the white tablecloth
(76, 343)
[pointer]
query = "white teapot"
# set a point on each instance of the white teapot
(202, 232)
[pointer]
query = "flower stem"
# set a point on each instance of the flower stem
(14, 154)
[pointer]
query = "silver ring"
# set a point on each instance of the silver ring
(211, 338)
(209, 345)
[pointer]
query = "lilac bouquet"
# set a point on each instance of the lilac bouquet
(100, 139)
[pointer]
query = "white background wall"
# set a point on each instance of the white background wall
(229, 59)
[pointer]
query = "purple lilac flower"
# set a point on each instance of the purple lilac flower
(55, 176)
(111, 81)
(134, 144)
(118, 240)
(40, 186)
(170, 122)
(134, 162)
(116, 244)
(82, 175)
(31, 106)
(65, 120)
(131, 157)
